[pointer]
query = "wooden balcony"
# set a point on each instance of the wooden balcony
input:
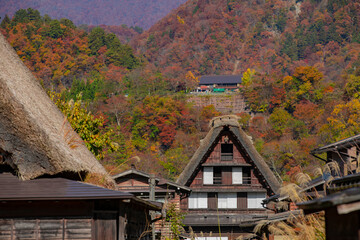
(227, 156)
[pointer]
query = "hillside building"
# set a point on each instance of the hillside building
(219, 83)
(229, 179)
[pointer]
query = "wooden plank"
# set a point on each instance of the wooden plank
(6, 231)
(78, 229)
(105, 225)
(25, 229)
(51, 229)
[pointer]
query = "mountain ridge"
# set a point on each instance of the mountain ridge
(142, 13)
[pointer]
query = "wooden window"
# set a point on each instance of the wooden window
(242, 200)
(255, 199)
(237, 176)
(226, 175)
(246, 173)
(212, 201)
(198, 200)
(227, 152)
(217, 175)
(208, 175)
(227, 200)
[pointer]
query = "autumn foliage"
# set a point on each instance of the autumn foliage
(300, 63)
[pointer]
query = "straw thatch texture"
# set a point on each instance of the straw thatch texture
(33, 132)
(207, 145)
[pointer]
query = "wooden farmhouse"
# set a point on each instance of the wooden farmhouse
(167, 192)
(229, 180)
(42, 161)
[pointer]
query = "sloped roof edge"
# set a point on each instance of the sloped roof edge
(34, 133)
(350, 141)
(147, 175)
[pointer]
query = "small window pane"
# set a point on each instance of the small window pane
(237, 177)
(208, 175)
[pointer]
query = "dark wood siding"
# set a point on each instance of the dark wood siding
(105, 225)
(242, 200)
(52, 229)
(212, 201)
(226, 175)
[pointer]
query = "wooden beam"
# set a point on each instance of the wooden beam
(348, 208)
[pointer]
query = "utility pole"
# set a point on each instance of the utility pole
(152, 184)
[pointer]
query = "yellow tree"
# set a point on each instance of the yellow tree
(344, 121)
(90, 128)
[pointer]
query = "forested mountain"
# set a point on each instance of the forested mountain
(273, 37)
(299, 59)
(135, 117)
(142, 13)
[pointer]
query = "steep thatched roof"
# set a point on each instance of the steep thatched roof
(218, 125)
(35, 138)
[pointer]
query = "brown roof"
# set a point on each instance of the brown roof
(13, 188)
(336, 146)
(218, 125)
(220, 79)
(33, 132)
(160, 181)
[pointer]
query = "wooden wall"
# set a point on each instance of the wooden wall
(68, 220)
(346, 226)
(52, 228)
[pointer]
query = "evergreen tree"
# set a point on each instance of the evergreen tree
(5, 21)
(96, 39)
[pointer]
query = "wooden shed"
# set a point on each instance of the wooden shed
(58, 209)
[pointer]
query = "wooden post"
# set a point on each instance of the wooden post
(152, 184)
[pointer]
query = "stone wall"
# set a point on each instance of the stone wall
(224, 103)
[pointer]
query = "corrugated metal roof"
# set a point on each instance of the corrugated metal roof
(53, 189)
(220, 79)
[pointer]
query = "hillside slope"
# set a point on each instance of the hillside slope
(142, 13)
(228, 36)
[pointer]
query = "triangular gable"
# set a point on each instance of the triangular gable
(207, 145)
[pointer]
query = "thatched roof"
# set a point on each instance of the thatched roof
(35, 138)
(218, 126)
